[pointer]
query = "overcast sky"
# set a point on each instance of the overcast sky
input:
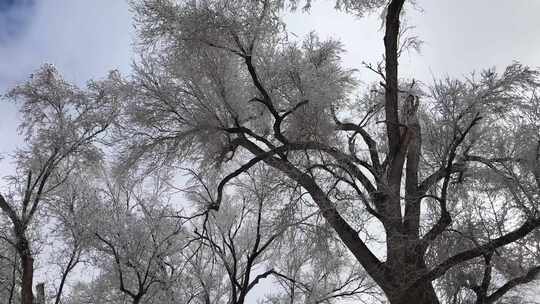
(83, 38)
(86, 38)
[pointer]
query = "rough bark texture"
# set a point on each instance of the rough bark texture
(404, 259)
(22, 245)
(422, 295)
(27, 262)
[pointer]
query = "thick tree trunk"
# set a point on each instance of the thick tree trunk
(27, 263)
(424, 294)
(406, 271)
(27, 267)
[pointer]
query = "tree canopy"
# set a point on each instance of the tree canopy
(410, 192)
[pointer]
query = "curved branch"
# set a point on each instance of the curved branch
(445, 218)
(347, 234)
(215, 205)
(527, 227)
(371, 144)
(353, 185)
(341, 157)
(6, 208)
(531, 275)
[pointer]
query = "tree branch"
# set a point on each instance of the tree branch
(438, 271)
(347, 234)
(391, 74)
(531, 275)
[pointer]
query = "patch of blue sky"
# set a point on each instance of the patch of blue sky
(15, 18)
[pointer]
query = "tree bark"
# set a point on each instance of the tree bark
(424, 294)
(27, 262)
(13, 282)
(22, 244)
(69, 267)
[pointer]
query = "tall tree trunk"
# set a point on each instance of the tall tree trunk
(27, 265)
(27, 262)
